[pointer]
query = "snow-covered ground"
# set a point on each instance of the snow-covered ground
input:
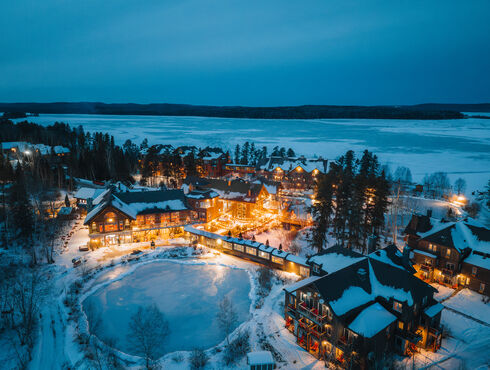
(459, 147)
(470, 303)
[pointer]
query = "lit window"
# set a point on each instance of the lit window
(397, 306)
(448, 252)
(400, 325)
(278, 260)
(264, 254)
(251, 250)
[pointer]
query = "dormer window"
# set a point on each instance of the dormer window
(397, 306)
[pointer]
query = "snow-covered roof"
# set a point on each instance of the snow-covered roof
(352, 297)
(260, 358)
(87, 193)
(296, 259)
(425, 253)
(433, 310)
(460, 235)
(201, 194)
(299, 284)
(372, 320)
(333, 261)
(478, 260)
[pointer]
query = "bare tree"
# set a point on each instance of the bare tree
(148, 328)
(460, 186)
(25, 298)
(227, 317)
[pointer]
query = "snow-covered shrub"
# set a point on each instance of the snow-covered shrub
(237, 348)
(178, 357)
(198, 359)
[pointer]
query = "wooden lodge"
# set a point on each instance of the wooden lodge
(239, 198)
(456, 254)
(138, 216)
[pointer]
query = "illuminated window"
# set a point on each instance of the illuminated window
(263, 254)
(400, 325)
(251, 250)
(448, 252)
(238, 247)
(304, 271)
(397, 306)
(278, 260)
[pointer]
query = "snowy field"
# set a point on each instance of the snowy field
(187, 294)
(459, 147)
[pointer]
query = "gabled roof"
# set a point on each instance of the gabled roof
(236, 189)
(288, 164)
(335, 258)
(371, 320)
(392, 256)
(155, 201)
(87, 193)
(202, 194)
(418, 224)
(461, 235)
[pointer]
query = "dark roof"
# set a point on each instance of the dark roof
(202, 194)
(395, 256)
(151, 196)
(249, 191)
(418, 224)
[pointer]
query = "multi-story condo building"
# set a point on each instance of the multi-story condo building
(456, 254)
(362, 308)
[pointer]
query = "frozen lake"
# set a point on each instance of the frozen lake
(459, 147)
(188, 295)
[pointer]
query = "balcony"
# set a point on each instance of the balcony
(447, 272)
(427, 268)
(410, 336)
(312, 313)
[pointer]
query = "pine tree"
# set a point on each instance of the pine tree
(21, 208)
(237, 154)
(291, 153)
(322, 210)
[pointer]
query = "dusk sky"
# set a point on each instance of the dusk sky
(227, 52)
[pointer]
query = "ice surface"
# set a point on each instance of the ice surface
(187, 294)
(459, 147)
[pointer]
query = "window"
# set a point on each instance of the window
(328, 329)
(432, 247)
(278, 260)
(400, 325)
(415, 308)
(450, 266)
(424, 301)
(397, 306)
(482, 288)
(388, 331)
(238, 247)
(448, 252)
(304, 271)
(473, 271)
(227, 245)
(263, 254)
(251, 250)
(428, 261)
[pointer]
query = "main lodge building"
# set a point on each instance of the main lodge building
(134, 216)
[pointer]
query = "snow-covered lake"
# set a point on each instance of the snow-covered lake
(459, 147)
(188, 294)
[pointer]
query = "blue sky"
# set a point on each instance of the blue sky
(227, 52)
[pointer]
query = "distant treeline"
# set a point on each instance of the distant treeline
(422, 111)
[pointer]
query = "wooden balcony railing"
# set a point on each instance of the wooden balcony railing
(312, 313)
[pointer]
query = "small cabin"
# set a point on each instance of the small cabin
(261, 360)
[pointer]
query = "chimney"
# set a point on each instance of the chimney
(362, 274)
(429, 212)
(372, 243)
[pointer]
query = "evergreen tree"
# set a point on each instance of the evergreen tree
(237, 154)
(245, 153)
(291, 153)
(322, 210)
(21, 208)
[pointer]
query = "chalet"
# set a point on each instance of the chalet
(240, 170)
(237, 197)
(214, 162)
(294, 173)
(451, 253)
(205, 203)
(125, 217)
(361, 310)
(13, 148)
(85, 196)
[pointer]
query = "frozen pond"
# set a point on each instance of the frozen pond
(187, 294)
(459, 147)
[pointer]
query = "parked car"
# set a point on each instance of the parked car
(77, 261)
